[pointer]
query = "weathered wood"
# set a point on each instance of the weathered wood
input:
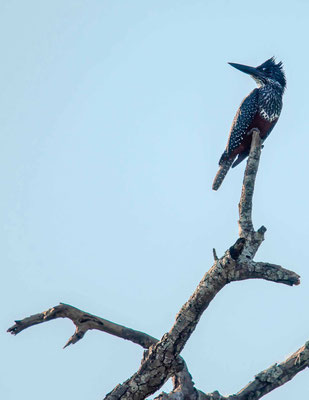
(83, 322)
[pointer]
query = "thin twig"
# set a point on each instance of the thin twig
(215, 254)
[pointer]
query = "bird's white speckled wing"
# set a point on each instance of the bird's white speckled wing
(242, 120)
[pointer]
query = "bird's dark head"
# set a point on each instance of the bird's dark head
(268, 73)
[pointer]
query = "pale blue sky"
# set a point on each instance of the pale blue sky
(113, 117)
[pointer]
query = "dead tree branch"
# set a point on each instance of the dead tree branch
(246, 230)
(275, 376)
(158, 366)
(233, 266)
(83, 322)
(245, 204)
(267, 380)
(162, 361)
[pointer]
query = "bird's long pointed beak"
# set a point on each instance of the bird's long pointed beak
(246, 69)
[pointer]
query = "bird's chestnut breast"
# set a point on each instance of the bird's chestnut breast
(262, 125)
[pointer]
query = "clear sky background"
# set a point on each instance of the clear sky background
(113, 117)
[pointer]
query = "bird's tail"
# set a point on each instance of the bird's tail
(223, 170)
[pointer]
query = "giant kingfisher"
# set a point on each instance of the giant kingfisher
(260, 109)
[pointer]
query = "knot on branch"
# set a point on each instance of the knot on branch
(237, 248)
(261, 230)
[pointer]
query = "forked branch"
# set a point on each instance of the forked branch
(83, 322)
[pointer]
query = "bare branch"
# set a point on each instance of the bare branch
(275, 376)
(267, 271)
(263, 383)
(83, 322)
(246, 230)
(245, 204)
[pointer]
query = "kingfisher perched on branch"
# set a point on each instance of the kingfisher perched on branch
(260, 109)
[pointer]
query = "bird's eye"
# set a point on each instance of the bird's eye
(264, 69)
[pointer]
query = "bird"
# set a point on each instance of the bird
(260, 109)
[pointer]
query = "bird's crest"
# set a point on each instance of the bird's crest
(271, 70)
